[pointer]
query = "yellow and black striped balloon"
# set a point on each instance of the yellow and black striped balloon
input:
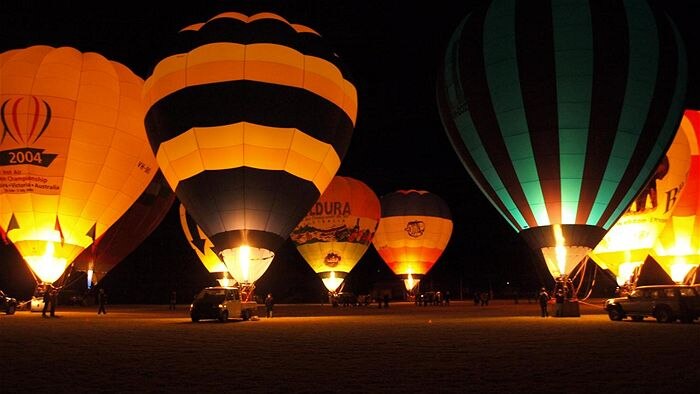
(249, 123)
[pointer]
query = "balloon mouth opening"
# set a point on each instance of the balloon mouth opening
(47, 267)
(245, 263)
(332, 280)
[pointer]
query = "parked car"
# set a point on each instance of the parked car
(7, 303)
(666, 303)
(221, 303)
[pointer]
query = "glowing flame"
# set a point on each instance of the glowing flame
(244, 256)
(47, 267)
(679, 269)
(245, 263)
(560, 249)
(410, 282)
(332, 282)
(626, 271)
(89, 278)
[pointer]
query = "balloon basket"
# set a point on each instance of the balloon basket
(570, 308)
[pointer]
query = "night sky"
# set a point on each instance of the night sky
(393, 50)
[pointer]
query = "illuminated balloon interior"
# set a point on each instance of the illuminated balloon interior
(47, 266)
(247, 264)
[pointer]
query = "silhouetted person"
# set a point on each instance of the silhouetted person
(101, 301)
(477, 298)
(386, 300)
(447, 298)
(173, 300)
(47, 300)
(559, 298)
(543, 299)
(269, 304)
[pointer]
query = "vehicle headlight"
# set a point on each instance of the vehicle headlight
(221, 306)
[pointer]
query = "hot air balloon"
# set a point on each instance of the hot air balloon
(413, 231)
(561, 111)
(249, 125)
(677, 249)
(74, 154)
(124, 236)
(628, 243)
(203, 247)
(338, 229)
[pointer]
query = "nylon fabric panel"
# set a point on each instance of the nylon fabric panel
(247, 200)
(414, 203)
(253, 102)
(268, 63)
(537, 74)
(263, 27)
(478, 99)
(250, 145)
(664, 114)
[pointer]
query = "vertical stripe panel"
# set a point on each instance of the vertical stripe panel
(665, 109)
(573, 54)
(610, 63)
(460, 128)
(538, 85)
(479, 102)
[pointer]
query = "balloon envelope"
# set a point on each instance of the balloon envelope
(338, 229)
(73, 151)
(629, 241)
(413, 231)
(677, 249)
(561, 111)
(247, 110)
(124, 236)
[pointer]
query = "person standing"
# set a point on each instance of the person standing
(559, 298)
(269, 304)
(543, 299)
(54, 300)
(47, 300)
(101, 301)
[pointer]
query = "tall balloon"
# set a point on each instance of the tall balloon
(338, 229)
(677, 249)
(73, 151)
(413, 231)
(561, 111)
(629, 241)
(249, 123)
(124, 236)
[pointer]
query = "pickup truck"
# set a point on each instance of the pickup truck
(665, 303)
(221, 303)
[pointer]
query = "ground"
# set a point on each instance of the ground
(503, 347)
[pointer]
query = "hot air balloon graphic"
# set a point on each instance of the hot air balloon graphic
(338, 229)
(413, 231)
(124, 236)
(203, 247)
(677, 249)
(628, 243)
(561, 111)
(249, 124)
(74, 154)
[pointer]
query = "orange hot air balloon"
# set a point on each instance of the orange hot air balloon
(677, 249)
(124, 236)
(338, 229)
(629, 241)
(244, 111)
(74, 155)
(413, 232)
